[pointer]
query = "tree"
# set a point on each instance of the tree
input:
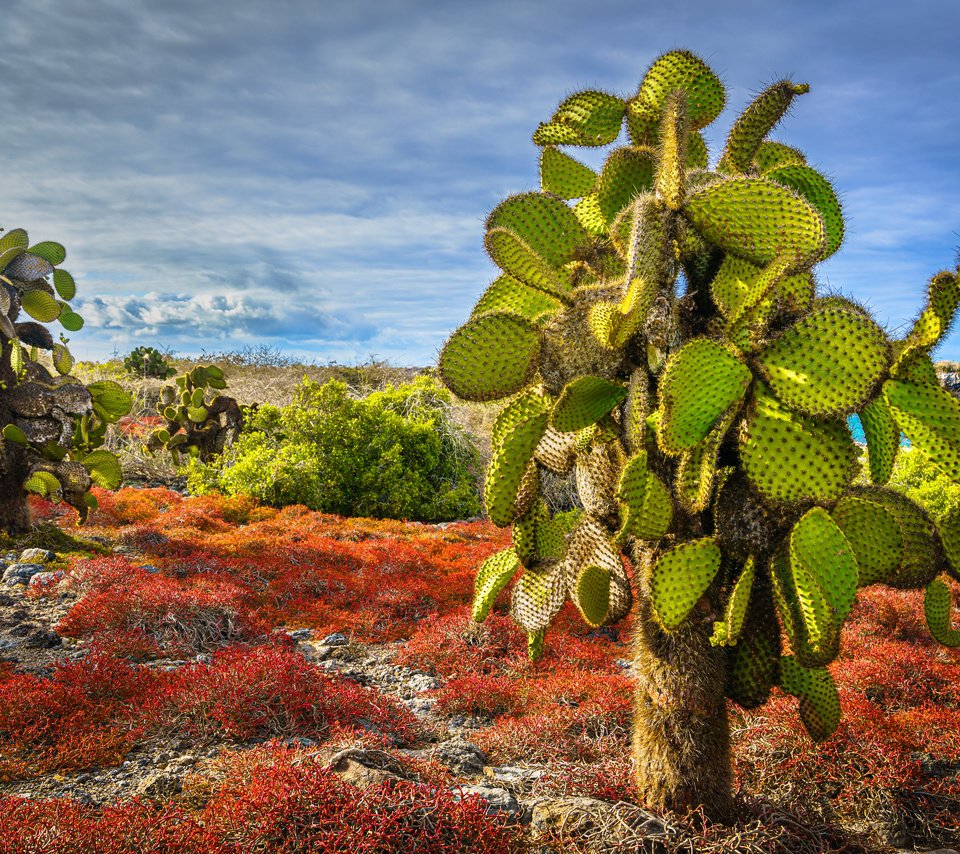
(51, 424)
(662, 339)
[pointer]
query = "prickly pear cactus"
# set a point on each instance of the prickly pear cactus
(657, 330)
(52, 425)
(148, 362)
(200, 422)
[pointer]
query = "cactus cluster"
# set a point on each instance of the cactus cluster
(657, 331)
(148, 362)
(200, 421)
(53, 425)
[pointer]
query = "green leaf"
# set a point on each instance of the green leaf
(494, 574)
(681, 577)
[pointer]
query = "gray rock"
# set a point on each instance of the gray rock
(422, 682)
(21, 573)
(420, 706)
(498, 800)
(300, 634)
(461, 756)
(622, 822)
(336, 639)
(9, 643)
(43, 578)
(36, 556)
(514, 775)
(159, 785)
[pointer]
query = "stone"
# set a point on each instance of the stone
(420, 706)
(461, 756)
(21, 573)
(420, 682)
(43, 639)
(36, 556)
(43, 579)
(498, 800)
(513, 775)
(578, 816)
(159, 785)
(364, 768)
(300, 634)
(336, 639)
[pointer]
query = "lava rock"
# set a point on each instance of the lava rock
(497, 800)
(461, 756)
(36, 556)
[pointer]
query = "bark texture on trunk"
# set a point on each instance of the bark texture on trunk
(681, 740)
(14, 468)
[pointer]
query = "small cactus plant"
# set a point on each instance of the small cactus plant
(52, 426)
(200, 422)
(657, 331)
(148, 362)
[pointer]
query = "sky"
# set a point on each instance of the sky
(313, 177)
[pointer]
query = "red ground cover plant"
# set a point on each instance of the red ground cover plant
(272, 691)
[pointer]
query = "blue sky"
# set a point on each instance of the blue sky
(314, 176)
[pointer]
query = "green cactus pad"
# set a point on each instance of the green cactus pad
(627, 173)
(790, 458)
(700, 382)
(62, 359)
(563, 176)
(930, 418)
(736, 282)
(756, 121)
(40, 306)
(52, 252)
(104, 469)
(874, 535)
(817, 190)
(494, 574)
(70, 320)
(636, 410)
(516, 433)
(537, 596)
(536, 537)
(697, 154)
(756, 219)
(543, 223)
(921, 560)
(698, 467)
(680, 69)
(933, 323)
(819, 700)
(64, 285)
(585, 118)
(110, 400)
(556, 451)
(584, 401)
(535, 644)
(590, 216)
(44, 484)
(883, 438)
(949, 528)
(510, 296)
(591, 594)
(490, 357)
(727, 632)
(774, 155)
(670, 183)
(647, 508)
(591, 546)
(681, 577)
(752, 667)
(825, 574)
(828, 364)
(937, 604)
(516, 257)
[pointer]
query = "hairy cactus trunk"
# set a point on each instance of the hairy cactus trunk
(14, 510)
(681, 744)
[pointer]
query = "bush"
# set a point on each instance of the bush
(148, 362)
(926, 484)
(393, 454)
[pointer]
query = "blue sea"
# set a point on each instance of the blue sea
(856, 428)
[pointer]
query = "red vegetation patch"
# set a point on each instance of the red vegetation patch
(270, 691)
(269, 800)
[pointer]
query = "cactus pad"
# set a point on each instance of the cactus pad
(727, 632)
(883, 438)
(774, 155)
(597, 473)
(647, 506)
(590, 216)
(937, 604)
(543, 223)
(701, 381)
(680, 69)
(752, 666)
(537, 596)
(815, 189)
(490, 357)
(563, 176)
(516, 433)
(698, 466)
(930, 417)
(104, 469)
(827, 364)
(819, 700)
(627, 174)
(942, 301)
(494, 574)
(585, 118)
(507, 295)
(950, 538)
(40, 306)
(790, 458)
(756, 219)
(591, 594)
(874, 535)
(516, 257)
(671, 179)
(681, 577)
(585, 401)
(590, 546)
(556, 451)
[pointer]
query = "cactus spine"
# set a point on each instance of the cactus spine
(657, 330)
(51, 425)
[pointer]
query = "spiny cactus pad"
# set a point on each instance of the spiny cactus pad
(537, 596)
(588, 118)
(585, 401)
(627, 173)
(827, 364)
(681, 577)
(494, 574)
(753, 668)
(700, 382)
(563, 176)
(727, 632)
(950, 538)
(930, 417)
(937, 605)
(490, 357)
(509, 296)
(680, 69)
(647, 507)
(815, 189)
(874, 535)
(773, 155)
(883, 439)
(819, 700)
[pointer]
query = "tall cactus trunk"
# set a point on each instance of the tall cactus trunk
(681, 740)
(14, 510)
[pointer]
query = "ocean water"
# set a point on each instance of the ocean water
(856, 428)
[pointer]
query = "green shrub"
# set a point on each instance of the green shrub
(922, 481)
(392, 454)
(148, 362)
